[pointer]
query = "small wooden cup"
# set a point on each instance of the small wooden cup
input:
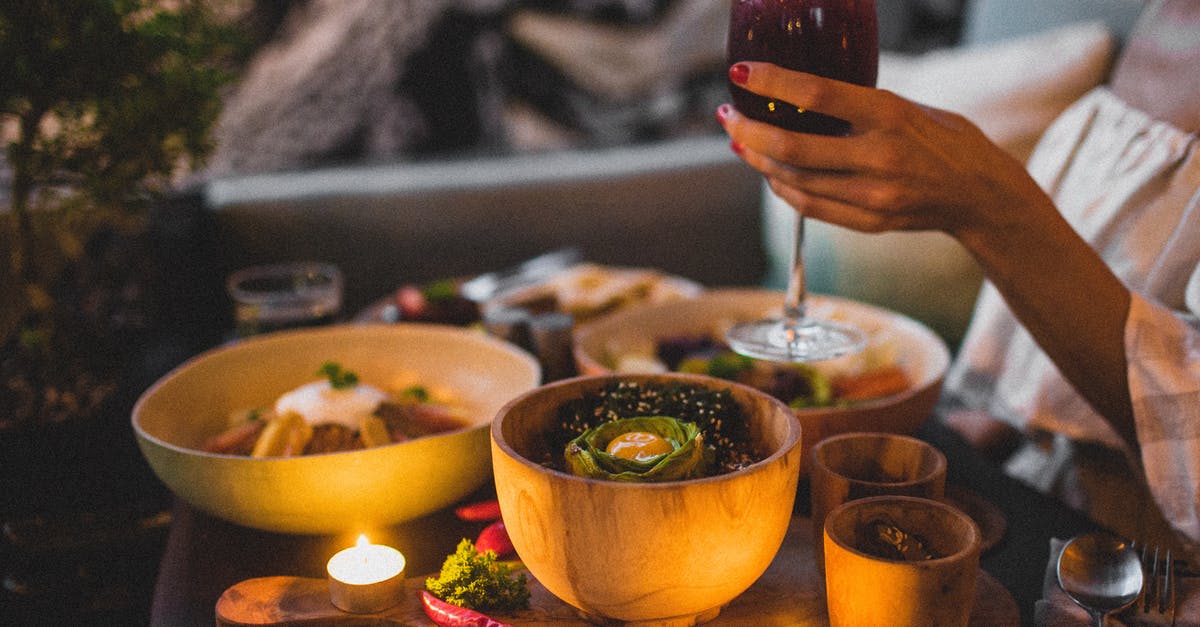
(857, 465)
(864, 589)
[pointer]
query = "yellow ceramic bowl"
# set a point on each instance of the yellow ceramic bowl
(334, 492)
(669, 553)
(600, 345)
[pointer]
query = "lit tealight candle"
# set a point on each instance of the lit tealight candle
(365, 578)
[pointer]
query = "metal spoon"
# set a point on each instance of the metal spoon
(1100, 572)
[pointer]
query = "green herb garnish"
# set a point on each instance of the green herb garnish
(478, 581)
(444, 290)
(339, 379)
(417, 393)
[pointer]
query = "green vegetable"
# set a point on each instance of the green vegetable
(729, 365)
(478, 581)
(339, 379)
(820, 389)
(586, 455)
(715, 411)
(444, 290)
(416, 393)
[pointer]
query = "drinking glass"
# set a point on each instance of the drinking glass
(836, 39)
(284, 296)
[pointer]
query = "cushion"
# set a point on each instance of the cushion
(1012, 90)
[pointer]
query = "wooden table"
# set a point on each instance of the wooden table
(790, 592)
(204, 556)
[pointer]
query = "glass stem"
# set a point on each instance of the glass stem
(793, 302)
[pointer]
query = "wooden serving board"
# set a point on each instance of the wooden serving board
(789, 593)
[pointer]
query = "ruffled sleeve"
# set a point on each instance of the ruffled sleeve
(1163, 351)
(1130, 185)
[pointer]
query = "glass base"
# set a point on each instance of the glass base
(811, 340)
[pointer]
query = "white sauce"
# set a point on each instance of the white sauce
(318, 402)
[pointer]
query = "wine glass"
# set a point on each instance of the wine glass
(833, 38)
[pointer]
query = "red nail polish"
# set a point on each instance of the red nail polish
(723, 112)
(736, 147)
(739, 73)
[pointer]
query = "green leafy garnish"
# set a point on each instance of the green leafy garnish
(416, 393)
(478, 581)
(820, 389)
(586, 455)
(446, 289)
(339, 379)
(727, 365)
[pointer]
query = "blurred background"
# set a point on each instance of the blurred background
(369, 81)
(154, 147)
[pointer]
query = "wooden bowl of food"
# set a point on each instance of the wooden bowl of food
(891, 386)
(669, 541)
(420, 443)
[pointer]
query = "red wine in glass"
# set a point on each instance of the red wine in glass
(836, 39)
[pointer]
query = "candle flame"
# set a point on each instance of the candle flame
(362, 540)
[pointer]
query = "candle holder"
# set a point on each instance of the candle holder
(365, 578)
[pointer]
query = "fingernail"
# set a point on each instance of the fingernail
(723, 112)
(739, 73)
(736, 147)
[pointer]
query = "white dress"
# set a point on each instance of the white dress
(1130, 186)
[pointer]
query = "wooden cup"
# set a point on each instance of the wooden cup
(865, 589)
(857, 465)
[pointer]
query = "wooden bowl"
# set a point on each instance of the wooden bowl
(334, 492)
(918, 350)
(664, 553)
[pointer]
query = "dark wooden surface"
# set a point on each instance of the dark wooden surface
(204, 556)
(789, 592)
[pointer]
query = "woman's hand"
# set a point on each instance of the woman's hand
(909, 167)
(904, 166)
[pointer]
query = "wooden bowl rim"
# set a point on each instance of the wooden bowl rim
(973, 540)
(283, 337)
(939, 458)
(793, 439)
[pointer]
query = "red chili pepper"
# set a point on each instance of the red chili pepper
(494, 537)
(483, 511)
(449, 615)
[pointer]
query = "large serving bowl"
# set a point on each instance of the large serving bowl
(918, 350)
(667, 553)
(333, 492)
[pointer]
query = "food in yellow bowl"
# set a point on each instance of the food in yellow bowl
(340, 491)
(336, 413)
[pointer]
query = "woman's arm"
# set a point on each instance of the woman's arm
(909, 167)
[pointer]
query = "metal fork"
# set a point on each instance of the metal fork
(1158, 587)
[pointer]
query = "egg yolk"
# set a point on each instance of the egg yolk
(638, 446)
